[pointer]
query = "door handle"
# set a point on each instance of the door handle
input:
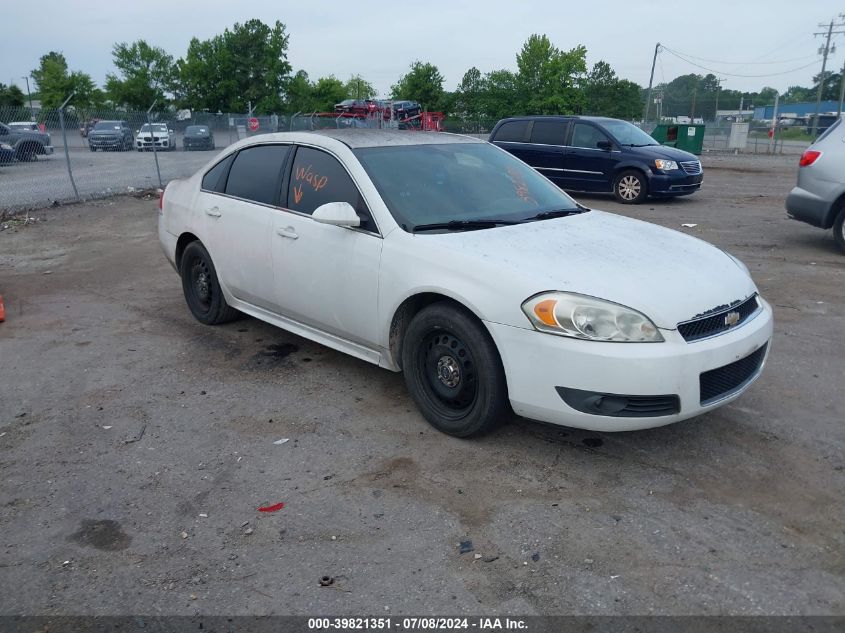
(288, 232)
(214, 212)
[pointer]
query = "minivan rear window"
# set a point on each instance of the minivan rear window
(512, 131)
(548, 132)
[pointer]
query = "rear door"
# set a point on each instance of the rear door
(587, 166)
(548, 148)
(326, 276)
(237, 208)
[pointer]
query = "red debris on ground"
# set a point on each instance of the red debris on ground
(273, 508)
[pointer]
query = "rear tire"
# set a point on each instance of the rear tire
(453, 371)
(839, 229)
(630, 187)
(202, 288)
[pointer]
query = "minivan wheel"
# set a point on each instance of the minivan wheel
(839, 229)
(453, 371)
(201, 287)
(630, 187)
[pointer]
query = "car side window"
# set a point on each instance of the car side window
(318, 178)
(255, 175)
(215, 178)
(4, 131)
(512, 131)
(549, 132)
(585, 135)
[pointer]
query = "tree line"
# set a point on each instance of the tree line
(246, 66)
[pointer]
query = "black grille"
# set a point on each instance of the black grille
(721, 382)
(715, 322)
(692, 167)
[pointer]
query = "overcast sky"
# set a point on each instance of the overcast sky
(380, 39)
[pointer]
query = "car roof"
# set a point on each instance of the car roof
(358, 137)
(534, 117)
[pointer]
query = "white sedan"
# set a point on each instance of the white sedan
(446, 258)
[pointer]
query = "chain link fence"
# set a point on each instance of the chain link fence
(53, 157)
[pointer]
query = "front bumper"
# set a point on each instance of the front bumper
(537, 364)
(48, 149)
(674, 183)
(148, 144)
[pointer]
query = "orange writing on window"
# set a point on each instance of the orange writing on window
(308, 175)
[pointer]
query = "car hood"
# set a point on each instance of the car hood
(105, 133)
(669, 276)
(663, 151)
(156, 134)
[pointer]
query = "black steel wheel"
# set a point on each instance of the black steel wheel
(201, 287)
(453, 371)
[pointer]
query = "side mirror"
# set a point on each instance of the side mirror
(336, 213)
(605, 145)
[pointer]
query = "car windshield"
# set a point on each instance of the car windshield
(157, 127)
(196, 129)
(21, 126)
(628, 133)
(458, 182)
(107, 125)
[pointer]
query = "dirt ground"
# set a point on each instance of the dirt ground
(136, 446)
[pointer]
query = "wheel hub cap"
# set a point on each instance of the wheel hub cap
(448, 371)
(629, 188)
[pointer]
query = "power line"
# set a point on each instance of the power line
(723, 72)
(718, 61)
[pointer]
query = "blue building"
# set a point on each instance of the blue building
(764, 113)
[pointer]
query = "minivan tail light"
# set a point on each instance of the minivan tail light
(809, 157)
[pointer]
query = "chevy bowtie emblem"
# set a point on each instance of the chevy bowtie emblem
(731, 318)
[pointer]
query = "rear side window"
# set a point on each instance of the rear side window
(548, 132)
(215, 178)
(256, 173)
(318, 178)
(512, 131)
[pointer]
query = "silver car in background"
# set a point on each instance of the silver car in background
(819, 197)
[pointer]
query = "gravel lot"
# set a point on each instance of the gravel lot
(136, 446)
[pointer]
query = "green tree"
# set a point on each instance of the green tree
(11, 96)
(607, 95)
(247, 64)
(359, 88)
(798, 94)
(500, 96)
(299, 94)
(548, 79)
(830, 90)
(422, 83)
(327, 92)
(468, 96)
(146, 74)
(55, 83)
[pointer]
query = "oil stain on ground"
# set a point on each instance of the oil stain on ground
(103, 534)
(271, 356)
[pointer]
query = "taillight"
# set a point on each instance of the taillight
(161, 201)
(809, 157)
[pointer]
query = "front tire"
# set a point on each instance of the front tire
(202, 288)
(453, 371)
(839, 229)
(630, 187)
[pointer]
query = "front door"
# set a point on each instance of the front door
(589, 167)
(327, 276)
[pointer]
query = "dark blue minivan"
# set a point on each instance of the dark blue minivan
(597, 154)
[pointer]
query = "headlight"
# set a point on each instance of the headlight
(665, 165)
(588, 318)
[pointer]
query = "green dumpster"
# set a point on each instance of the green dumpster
(686, 136)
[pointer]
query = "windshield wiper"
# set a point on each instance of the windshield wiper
(641, 144)
(557, 213)
(462, 225)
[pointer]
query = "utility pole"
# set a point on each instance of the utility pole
(841, 82)
(650, 83)
(826, 50)
(718, 90)
(28, 95)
